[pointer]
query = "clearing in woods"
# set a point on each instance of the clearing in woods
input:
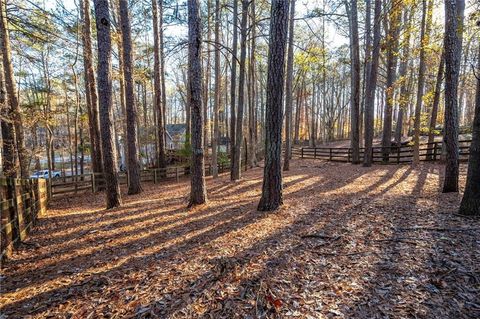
(349, 242)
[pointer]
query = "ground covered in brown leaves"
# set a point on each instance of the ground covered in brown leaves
(350, 242)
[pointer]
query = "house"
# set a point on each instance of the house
(176, 136)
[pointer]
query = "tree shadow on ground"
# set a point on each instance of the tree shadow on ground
(325, 252)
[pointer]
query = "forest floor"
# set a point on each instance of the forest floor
(350, 242)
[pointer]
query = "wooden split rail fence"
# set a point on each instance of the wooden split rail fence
(381, 155)
(22, 201)
(70, 185)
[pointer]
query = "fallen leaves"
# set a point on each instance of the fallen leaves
(350, 242)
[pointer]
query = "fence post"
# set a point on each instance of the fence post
(154, 175)
(42, 203)
(398, 154)
(348, 155)
(94, 190)
(302, 151)
(330, 153)
(20, 209)
(435, 145)
(315, 153)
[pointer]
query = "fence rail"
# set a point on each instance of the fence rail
(70, 185)
(22, 202)
(382, 155)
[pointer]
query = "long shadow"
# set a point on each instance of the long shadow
(101, 222)
(237, 219)
(60, 265)
(129, 218)
(224, 268)
(281, 246)
(411, 276)
(160, 248)
(77, 241)
(37, 276)
(63, 264)
(91, 216)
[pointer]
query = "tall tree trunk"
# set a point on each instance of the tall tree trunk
(206, 86)
(162, 70)
(372, 85)
(272, 175)
(471, 198)
(161, 157)
(198, 193)
(436, 103)
(424, 40)
(10, 165)
(252, 123)
(289, 90)
(355, 80)
(311, 139)
(91, 90)
(402, 75)
(11, 89)
(104, 69)
(454, 10)
(392, 54)
(216, 104)
(237, 160)
(133, 166)
(233, 89)
(9, 154)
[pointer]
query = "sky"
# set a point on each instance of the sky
(334, 38)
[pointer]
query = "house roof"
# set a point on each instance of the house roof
(176, 129)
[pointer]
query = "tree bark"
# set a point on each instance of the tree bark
(453, 50)
(104, 69)
(9, 155)
(198, 193)
(355, 80)
(216, 104)
(91, 90)
(470, 204)
(133, 166)
(252, 123)
(11, 89)
(162, 70)
(424, 40)
(237, 160)
(233, 89)
(157, 84)
(206, 86)
(289, 91)
(436, 103)
(372, 72)
(392, 53)
(272, 176)
(402, 75)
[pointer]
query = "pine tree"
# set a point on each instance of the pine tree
(104, 69)
(272, 196)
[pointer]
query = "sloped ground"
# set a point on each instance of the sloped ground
(350, 242)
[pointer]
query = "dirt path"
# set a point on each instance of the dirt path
(350, 242)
